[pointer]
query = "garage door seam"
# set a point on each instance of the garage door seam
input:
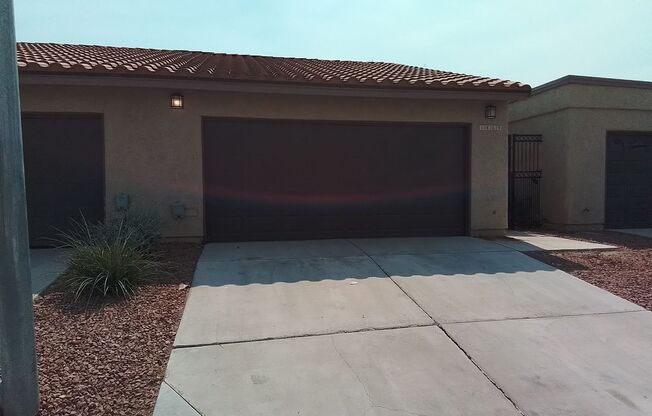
(468, 356)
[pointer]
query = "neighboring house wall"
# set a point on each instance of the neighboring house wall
(154, 153)
(574, 120)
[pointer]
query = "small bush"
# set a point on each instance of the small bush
(111, 257)
(143, 227)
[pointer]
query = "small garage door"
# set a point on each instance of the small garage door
(629, 180)
(266, 180)
(64, 173)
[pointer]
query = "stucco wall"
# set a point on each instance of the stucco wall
(153, 152)
(574, 121)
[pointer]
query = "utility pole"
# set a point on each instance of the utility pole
(18, 380)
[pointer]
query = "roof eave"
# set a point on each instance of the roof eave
(268, 87)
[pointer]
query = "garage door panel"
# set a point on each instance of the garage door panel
(641, 166)
(228, 225)
(628, 200)
(638, 189)
(619, 167)
(615, 195)
(320, 179)
(412, 221)
(64, 173)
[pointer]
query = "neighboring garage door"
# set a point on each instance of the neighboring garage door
(64, 173)
(629, 180)
(266, 180)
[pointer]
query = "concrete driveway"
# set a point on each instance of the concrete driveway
(420, 326)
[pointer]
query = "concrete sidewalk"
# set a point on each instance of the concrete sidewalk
(47, 264)
(429, 326)
(529, 241)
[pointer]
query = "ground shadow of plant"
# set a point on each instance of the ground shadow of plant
(170, 274)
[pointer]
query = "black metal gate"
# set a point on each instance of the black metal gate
(524, 180)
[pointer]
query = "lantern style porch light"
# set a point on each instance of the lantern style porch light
(176, 101)
(490, 112)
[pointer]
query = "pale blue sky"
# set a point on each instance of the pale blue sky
(528, 40)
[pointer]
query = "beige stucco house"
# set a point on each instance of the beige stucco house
(236, 147)
(596, 153)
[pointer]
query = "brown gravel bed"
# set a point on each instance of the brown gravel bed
(625, 271)
(109, 357)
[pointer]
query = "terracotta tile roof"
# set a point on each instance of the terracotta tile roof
(50, 58)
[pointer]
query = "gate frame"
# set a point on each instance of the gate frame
(532, 158)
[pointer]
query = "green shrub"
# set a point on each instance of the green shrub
(109, 258)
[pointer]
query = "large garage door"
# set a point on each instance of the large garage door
(268, 180)
(629, 180)
(64, 173)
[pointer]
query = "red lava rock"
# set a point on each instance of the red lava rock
(108, 357)
(625, 271)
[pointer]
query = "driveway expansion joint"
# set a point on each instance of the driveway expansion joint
(439, 325)
(325, 334)
(570, 315)
(183, 398)
(484, 373)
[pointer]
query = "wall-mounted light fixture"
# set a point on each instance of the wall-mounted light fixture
(176, 101)
(490, 112)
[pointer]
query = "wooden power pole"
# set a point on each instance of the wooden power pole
(18, 380)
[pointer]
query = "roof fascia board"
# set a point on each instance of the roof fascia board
(267, 88)
(594, 81)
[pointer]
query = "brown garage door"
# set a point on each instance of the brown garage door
(295, 180)
(629, 180)
(64, 173)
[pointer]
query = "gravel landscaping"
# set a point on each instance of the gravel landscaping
(109, 357)
(625, 271)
